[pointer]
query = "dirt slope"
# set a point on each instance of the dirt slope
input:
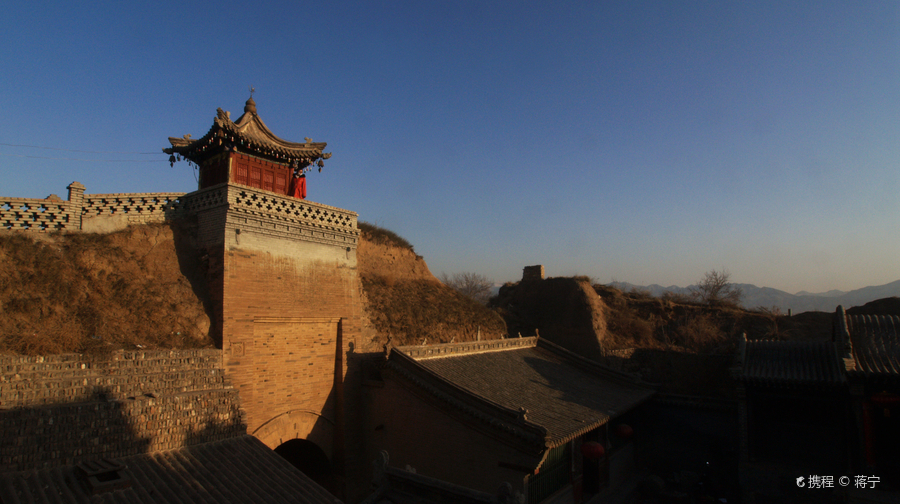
(96, 292)
(99, 292)
(407, 304)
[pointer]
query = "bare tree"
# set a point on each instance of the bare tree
(472, 285)
(716, 289)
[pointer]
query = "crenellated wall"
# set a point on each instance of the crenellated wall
(62, 409)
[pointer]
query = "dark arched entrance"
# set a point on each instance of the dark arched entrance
(309, 458)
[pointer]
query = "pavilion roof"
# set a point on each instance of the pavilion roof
(249, 134)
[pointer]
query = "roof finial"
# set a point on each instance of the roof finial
(250, 106)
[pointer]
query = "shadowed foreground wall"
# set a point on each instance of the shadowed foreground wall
(62, 409)
(419, 431)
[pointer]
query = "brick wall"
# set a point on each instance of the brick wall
(95, 213)
(283, 283)
(280, 325)
(61, 409)
(437, 441)
(530, 273)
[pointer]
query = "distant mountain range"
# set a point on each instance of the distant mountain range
(800, 302)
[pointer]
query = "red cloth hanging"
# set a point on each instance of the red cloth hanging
(298, 187)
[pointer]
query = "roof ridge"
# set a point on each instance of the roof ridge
(417, 352)
(594, 366)
(436, 385)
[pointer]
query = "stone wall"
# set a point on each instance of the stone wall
(62, 409)
(43, 215)
(565, 311)
(530, 273)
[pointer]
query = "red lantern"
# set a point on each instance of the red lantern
(592, 450)
(624, 431)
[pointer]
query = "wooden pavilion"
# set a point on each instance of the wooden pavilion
(246, 152)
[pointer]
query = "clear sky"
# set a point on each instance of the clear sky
(645, 142)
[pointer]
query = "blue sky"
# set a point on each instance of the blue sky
(645, 142)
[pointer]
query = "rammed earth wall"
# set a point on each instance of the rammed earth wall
(62, 409)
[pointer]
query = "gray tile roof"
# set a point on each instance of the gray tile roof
(791, 363)
(548, 389)
(875, 344)
(240, 469)
(862, 345)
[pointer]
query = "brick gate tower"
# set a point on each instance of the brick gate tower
(283, 280)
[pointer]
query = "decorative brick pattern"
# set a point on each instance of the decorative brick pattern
(138, 207)
(37, 215)
(286, 217)
(62, 409)
(292, 209)
(261, 211)
(467, 347)
(205, 199)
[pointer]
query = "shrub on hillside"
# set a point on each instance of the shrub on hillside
(625, 328)
(716, 289)
(382, 236)
(676, 297)
(471, 285)
(413, 311)
(699, 331)
(93, 293)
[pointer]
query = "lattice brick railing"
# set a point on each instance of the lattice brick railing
(53, 214)
(288, 209)
(204, 199)
(143, 206)
(57, 215)
(41, 215)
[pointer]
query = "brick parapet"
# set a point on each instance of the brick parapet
(61, 409)
(37, 215)
(132, 208)
(260, 211)
(466, 347)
